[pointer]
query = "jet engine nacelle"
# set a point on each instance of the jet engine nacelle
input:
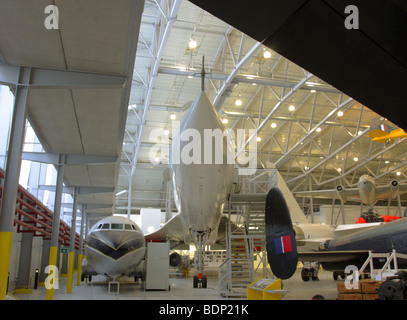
(175, 259)
(394, 189)
(340, 190)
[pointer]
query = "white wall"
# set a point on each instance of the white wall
(150, 219)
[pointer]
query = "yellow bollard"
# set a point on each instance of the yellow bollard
(71, 256)
(52, 277)
(79, 275)
(5, 250)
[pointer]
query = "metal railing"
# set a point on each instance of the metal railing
(246, 231)
(31, 215)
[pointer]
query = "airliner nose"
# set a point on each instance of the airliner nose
(115, 244)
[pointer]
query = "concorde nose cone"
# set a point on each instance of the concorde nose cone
(202, 115)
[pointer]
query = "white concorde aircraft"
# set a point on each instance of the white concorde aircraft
(200, 187)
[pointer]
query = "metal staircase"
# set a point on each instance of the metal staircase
(245, 246)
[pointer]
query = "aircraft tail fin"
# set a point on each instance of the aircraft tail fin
(281, 247)
(377, 133)
(297, 215)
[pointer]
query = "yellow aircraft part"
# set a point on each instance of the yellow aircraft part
(383, 136)
(378, 135)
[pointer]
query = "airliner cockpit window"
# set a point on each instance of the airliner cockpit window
(127, 227)
(105, 226)
(116, 226)
(99, 226)
(134, 227)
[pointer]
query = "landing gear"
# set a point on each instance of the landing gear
(310, 271)
(200, 239)
(394, 288)
(86, 276)
(200, 281)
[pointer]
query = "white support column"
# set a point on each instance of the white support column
(71, 254)
(53, 252)
(80, 251)
(12, 174)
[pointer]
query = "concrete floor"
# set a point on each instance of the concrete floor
(181, 289)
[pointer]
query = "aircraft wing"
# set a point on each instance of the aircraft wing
(344, 229)
(332, 256)
(172, 230)
(403, 188)
(351, 194)
(384, 192)
(248, 197)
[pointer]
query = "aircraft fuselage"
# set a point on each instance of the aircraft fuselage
(115, 246)
(367, 189)
(201, 180)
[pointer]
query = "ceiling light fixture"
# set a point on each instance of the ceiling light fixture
(291, 108)
(238, 102)
(173, 116)
(192, 44)
(274, 125)
(340, 113)
(121, 192)
(267, 54)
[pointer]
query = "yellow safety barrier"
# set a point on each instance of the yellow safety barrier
(265, 289)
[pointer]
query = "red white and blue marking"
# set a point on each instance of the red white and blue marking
(283, 244)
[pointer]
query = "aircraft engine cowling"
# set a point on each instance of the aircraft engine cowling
(394, 189)
(175, 259)
(340, 190)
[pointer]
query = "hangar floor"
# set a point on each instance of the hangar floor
(181, 289)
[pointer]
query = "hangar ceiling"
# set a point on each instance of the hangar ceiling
(78, 91)
(322, 142)
(363, 62)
